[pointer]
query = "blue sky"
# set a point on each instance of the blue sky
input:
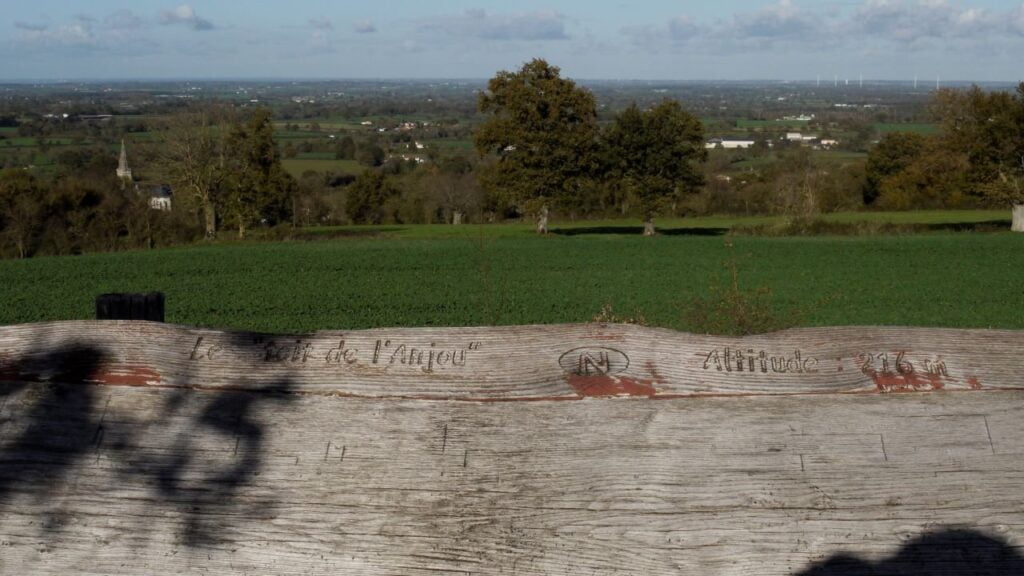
(979, 40)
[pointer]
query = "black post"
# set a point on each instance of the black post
(149, 306)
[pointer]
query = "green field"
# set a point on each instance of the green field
(32, 141)
(449, 143)
(416, 276)
(747, 124)
(315, 156)
(299, 135)
(926, 220)
(297, 166)
(919, 128)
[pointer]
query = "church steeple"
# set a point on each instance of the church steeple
(123, 171)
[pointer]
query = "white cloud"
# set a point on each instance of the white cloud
(123, 20)
(782, 20)
(186, 15)
(84, 34)
(79, 34)
(30, 26)
(480, 24)
(363, 27)
(679, 31)
(1016, 20)
(873, 24)
(321, 23)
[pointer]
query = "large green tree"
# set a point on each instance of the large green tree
(988, 128)
(655, 154)
(20, 212)
(892, 155)
(366, 199)
(541, 134)
(258, 188)
(227, 168)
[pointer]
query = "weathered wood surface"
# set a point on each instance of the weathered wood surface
(141, 448)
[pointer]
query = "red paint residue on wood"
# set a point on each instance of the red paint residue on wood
(126, 375)
(658, 378)
(889, 382)
(973, 383)
(603, 385)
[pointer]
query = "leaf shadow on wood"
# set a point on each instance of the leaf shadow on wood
(953, 552)
(63, 428)
(209, 502)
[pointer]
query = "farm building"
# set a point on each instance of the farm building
(728, 143)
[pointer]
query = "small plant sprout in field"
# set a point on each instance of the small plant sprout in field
(608, 316)
(733, 310)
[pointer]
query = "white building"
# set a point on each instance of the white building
(160, 197)
(728, 144)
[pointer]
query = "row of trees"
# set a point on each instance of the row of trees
(543, 147)
(540, 147)
(227, 168)
(79, 213)
(978, 154)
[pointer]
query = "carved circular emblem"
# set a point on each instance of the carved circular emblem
(593, 361)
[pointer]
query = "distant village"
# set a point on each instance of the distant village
(159, 194)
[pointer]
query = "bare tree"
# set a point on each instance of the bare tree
(193, 162)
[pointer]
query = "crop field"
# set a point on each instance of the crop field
(449, 143)
(754, 124)
(920, 128)
(417, 276)
(297, 166)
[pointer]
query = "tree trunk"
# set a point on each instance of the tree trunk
(649, 226)
(542, 221)
(456, 217)
(210, 216)
(1018, 218)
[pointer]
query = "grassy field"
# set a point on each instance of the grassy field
(297, 166)
(426, 276)
(938, 220)
(754, 124)
(921, 128)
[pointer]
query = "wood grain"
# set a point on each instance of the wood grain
(143, 448)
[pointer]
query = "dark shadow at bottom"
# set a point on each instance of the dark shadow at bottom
(946, 553)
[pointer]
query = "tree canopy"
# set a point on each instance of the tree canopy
(541, 130)
(978, 153)
(988, 129)
(228, 169)
(655, 154)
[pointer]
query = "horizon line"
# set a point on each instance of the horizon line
(285, 79)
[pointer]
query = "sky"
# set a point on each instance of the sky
(980, 40)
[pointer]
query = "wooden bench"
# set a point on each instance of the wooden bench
(143, 448)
